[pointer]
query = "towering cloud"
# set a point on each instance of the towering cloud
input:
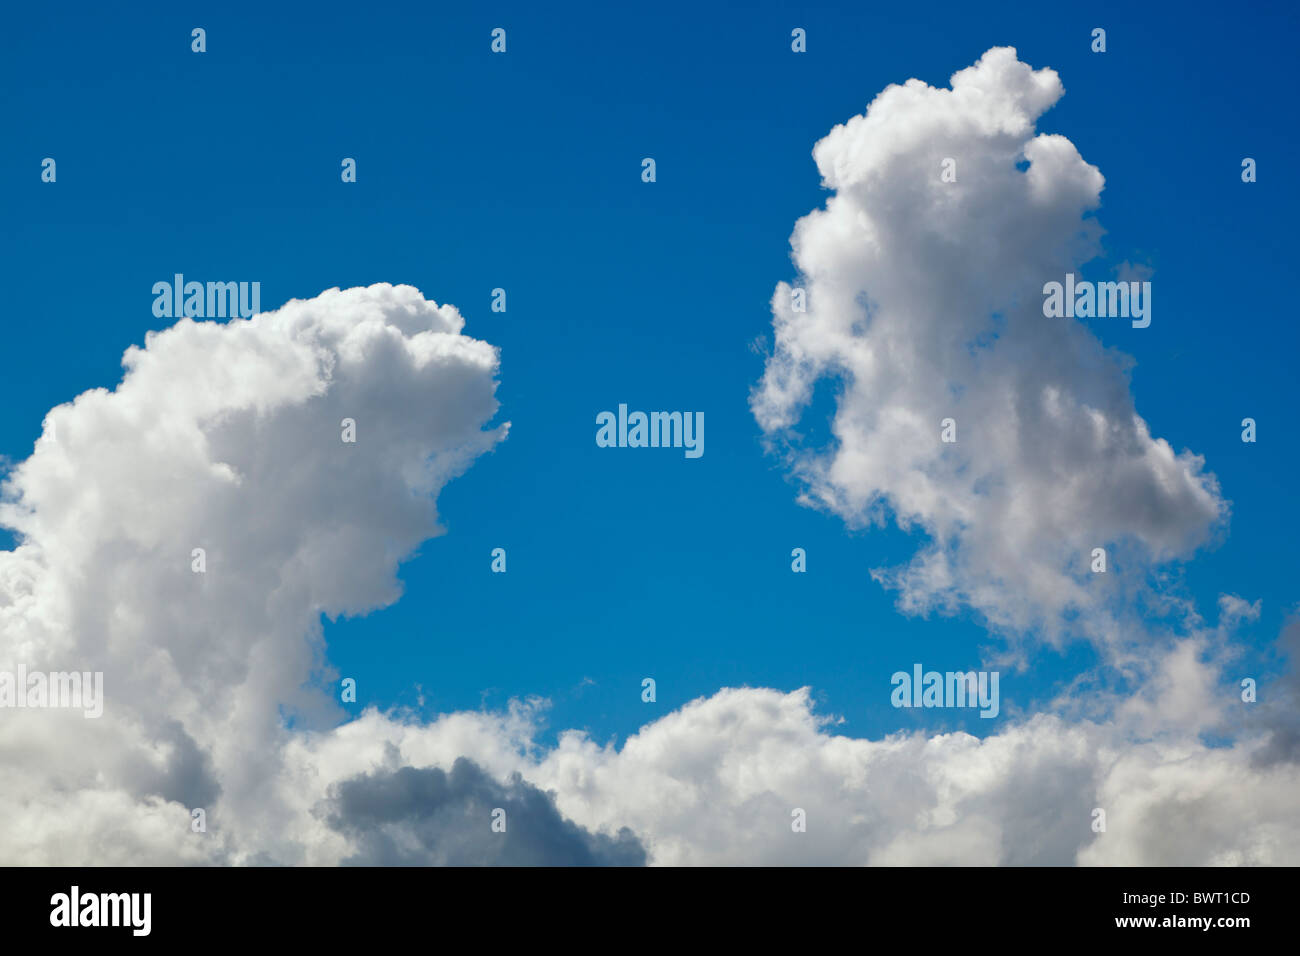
(226, 438)
(924, 303)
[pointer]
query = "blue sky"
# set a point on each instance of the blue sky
(523, 172)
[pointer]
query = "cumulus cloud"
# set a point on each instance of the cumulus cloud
(227, 438)
(715, 782)
(924, 302)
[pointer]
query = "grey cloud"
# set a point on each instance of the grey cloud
(426, 816)
(1278, 706)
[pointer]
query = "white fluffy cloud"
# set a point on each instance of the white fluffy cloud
(225, 437)
(924, 302)
(715, 782)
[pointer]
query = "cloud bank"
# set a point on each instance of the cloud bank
(715, 782)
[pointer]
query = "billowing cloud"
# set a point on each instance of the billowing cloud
(924, 302)
(717, 781)
(225, 437)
